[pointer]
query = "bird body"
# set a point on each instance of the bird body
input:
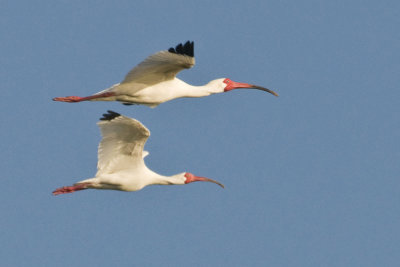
(120, 159)
(132, 180)
(158, 93)
(154, 81)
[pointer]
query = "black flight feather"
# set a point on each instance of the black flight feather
(110, 115)
(187, 49)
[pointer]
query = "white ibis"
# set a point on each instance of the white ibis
(154, 81)
(120, 160)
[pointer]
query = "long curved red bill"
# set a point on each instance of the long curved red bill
(193, 178)
(230, 85)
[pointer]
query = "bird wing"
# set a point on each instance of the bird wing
(122, 145)
(162, 66)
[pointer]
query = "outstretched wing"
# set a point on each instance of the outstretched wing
(122, 145)
(162, 66)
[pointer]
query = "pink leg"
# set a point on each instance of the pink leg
(70, 189)
(73, 99)
(69, 99)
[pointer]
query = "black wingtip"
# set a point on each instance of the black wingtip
(109, 116)
(186, 49)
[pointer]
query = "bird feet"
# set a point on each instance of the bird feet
(70, 189)
(69, 99)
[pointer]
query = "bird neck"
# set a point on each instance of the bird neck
(188, 90)
(171, 180)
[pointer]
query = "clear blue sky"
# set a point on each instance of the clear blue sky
(312, 177)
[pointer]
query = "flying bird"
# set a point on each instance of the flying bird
(120, 160)
(154, 81)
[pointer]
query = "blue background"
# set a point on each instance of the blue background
(312, 177)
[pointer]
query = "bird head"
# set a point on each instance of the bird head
(190, 178)
(231, 85)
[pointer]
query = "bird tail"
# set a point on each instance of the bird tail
(70, 189)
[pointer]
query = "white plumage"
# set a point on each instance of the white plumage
(120, 159)
(154, 81)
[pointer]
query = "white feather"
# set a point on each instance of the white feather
(159, 67)
(122, 145)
